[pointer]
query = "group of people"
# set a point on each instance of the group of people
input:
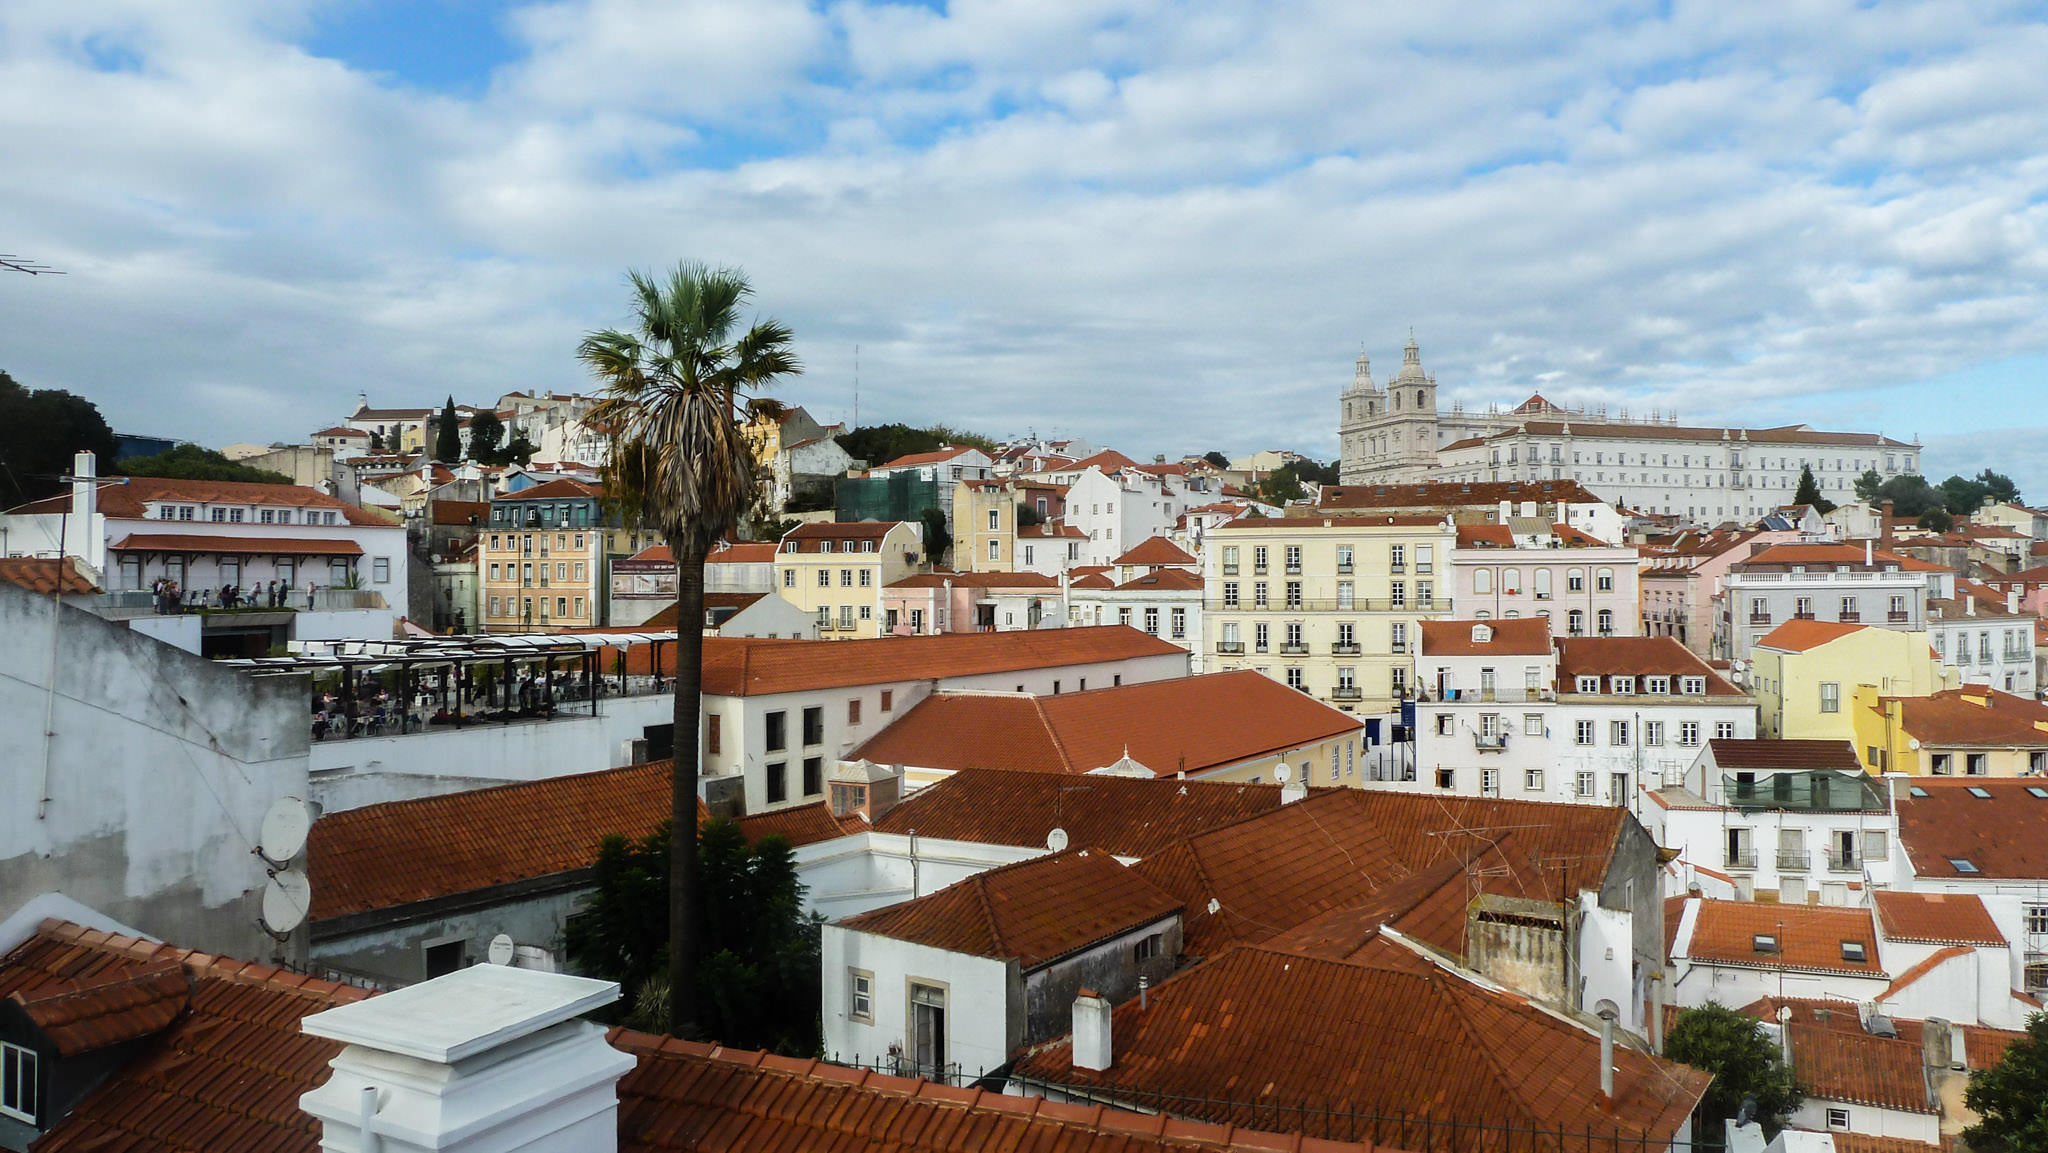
(170, 598)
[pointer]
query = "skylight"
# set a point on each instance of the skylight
(1962, 865)
(1917, 791)
(2037, 791)
(1764, 943)
(1852, 951)
(1979, 793)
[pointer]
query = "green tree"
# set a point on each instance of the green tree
(879, 444)
(39, 432)
(1319, 473)
(485, 431)
(2011, 1097)
(1216, 458)
(518, 450)
(1909, 493)
(936, 539)
(675, 391)
(1963, 496)
(1028, 515)
(1936, 520)
(447, 437)
(1868, 486)
(376, 442)
(1281, 485)
(191, 462)
(1809, 492)
(757, 963)
(1745, 1062)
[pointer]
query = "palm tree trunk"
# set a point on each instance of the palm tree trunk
(688, 764)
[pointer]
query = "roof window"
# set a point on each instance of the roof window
(1852, 952)
(1980, 794)
(1963, 865)
(2037, 791)
(1764, 943)
(1916, 790)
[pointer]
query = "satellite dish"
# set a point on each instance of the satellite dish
(284, 831)
(285, 900)
(1913, 743)
(1281, 772)
(1056, 840)
(501, 949)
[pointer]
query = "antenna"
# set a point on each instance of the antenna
(1281, 772)
(1056, 840)
(284, 832)
(13, 263)
(286, 898)
(501, 949)
(856, 386)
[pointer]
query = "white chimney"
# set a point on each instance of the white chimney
(1608, 1011)
(1091, 1031)
(2012, 599)
(84, 503)
(486, 1058)
(1868, 554)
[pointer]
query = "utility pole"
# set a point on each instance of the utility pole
(856, 386)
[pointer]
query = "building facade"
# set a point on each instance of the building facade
(838, 571)
(546, 556)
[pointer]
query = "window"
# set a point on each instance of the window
(1587, 684)
(1294, 680)
(853, 711)
(846, 578)
(1397, 558)
(1830, 696)
(1838, 1119)
(928, 1029)
(1575, 623)
(1343, 558)
(1148, 947)
(814, 776)
(1445, 724)
(2037, 920)
(1345, 599)
(1585, 785)
(1693, 686)
(995, 521)
(1259, 559)
(1293, 555)
(846, 616)
(824, 578)
(814, 725)
(1689, 733)
(1617, 733)
(1230, 594)
(1397, 595)
(1605, 622)
(1975, 764)
(1532, 780)
(1542, 578)
(1603, 581)
(1575, 580)
(1151, 621)
(1532, 724)
(444, 957)
(995, 550)
(18, 1083)
(1446, 778)
(1622, 686)
(1259, 600)
(1180, 624)
(860, 996)
(1482, 580)
(1653, 733)
(789, 578)
(778, 732)
(1260, 634)
(1399, 635)
(1582, 733)
(1657, 686)
(1943, 764)
(778, 783)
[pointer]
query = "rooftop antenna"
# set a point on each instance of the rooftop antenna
(856, 386)
(13, 263)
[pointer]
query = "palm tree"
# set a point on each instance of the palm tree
(674, 392)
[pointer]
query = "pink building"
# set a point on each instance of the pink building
(1681, 578)
(1583, 586)
(927, 604)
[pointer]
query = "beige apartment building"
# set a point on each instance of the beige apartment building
(543, 558)
(837, 572)
(984, 526)
(1326, 604)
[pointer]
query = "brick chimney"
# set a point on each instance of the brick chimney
(1091, 1031)
(486, 1058)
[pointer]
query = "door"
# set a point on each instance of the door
(928, 1030)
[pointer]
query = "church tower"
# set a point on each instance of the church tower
(1390, 434)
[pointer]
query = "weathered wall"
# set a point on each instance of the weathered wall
(396, 953)
(161, 769)
(1108, 968)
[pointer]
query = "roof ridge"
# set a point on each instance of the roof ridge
(988, 909)
(1052, 733)
(1479, 1038)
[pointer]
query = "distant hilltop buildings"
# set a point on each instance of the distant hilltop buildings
(1647, 464)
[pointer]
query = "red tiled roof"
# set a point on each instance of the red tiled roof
(1538, 849)
(1809, 937)
(2004, 836)
(1165, 580)
(1837, 1065)
(1485, 536)
(560, 488)
(1763, 753)
(1094, 580)
(1973, 716)
(1036, 911)
(800, 825)
(742, 666)
(1783, 434)
(342, 430)
(393, 853)
(1059, 531)
(922, 458)
(42, 574)
(688, 1097)
(1637, 657)
(1982, 1046)
(1515, 636)
(1108, 460)
(242, 545)
(976, 580)
(1127, 816)
(461, 512)
(1156, 550)
(108, 1008)
(750, 552)
(1455, 495)
(1263, 1032)
(1183, 724)
(1797, 636)
(1865, 1143)
(225, 1073)
(130, 500)
(1936, 918)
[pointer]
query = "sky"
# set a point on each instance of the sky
(1163, 226)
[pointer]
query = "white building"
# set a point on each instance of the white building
(1506, 712)
(1985, 638)
(1582, 586)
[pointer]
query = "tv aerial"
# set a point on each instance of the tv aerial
(13, 263)
(287, 895)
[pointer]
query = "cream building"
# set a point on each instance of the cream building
(984, 526)
(1806, 674)
(837, 571)
(1326, 604)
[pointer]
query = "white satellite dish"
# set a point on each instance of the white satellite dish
(1913, 743)
(286, 898)
(284, 831)
(1281, 772)
(501, 949)
(1056, 840)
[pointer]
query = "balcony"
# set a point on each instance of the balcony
(1343, 569)
(1230, 648)
(1341, 649)
(1346, 693)
(1760, 618)
(1739, 859)
(1803, 615)
(1294, 570)
(1898, 618)
(1840, 861)
(1490, 742)
(1850, 618)
(1293, 649)
(1229, 570)
(1794, 860)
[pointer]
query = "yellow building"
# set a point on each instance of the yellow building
(1966, 732)
(1805, 674)
(543, 558)
(984, 526)
(1326, 604)
(838, 571)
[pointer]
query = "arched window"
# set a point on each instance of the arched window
(1418, 398)
(1575, 580)
(1370, 408)
(1511, 581)
(1603, 580)
(1397, 400)
(1482, 580)
(1606, 622)
(1575, 623)
(1483, 615)
(1512, 614)
(1542, 579)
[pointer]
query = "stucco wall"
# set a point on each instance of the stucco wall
(983, 998)
(1110, 968)
(397, 953)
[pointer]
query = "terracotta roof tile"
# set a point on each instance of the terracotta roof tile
(1036, 911)
(1865, 1143)
(42, 574)
(800, 825)
(1797, 636)
(1936, 918)
(1973, 716)
(1837, 1065)
(2002, 837)
(1517, 636)
(1764, 753)
(842, 530)
(1182, 724)
(390, 854)
(1122, 815)
(1783, 434)
(1638, 657)
(1165, 580)
(1809, 937)
(560, 488)
(939, 457)
(245, 545)
(80, 1015)
(461, 512)
(130, 501)
(981, 580)
(1485, 536)
(1386, 1034)
(1537, 849)
(1156, 550)
(737, 666)
(1454, 495)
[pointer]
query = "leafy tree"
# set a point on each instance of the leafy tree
(1281, 485)
(1936, 520)
(191, 462)
(485, 431)
(882, 443)
(376, 442)
(1744, 1061)
(1868, 486)
(1809, 492)
(39, 432)
(518, 450)
(447, 437)
(757, 970)
(1319, 473)
(936, 539)
(1028, 515)
(2011, 1096)
(675, 392)
(1963, 495)
(1909, 493)
(1216, 458)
